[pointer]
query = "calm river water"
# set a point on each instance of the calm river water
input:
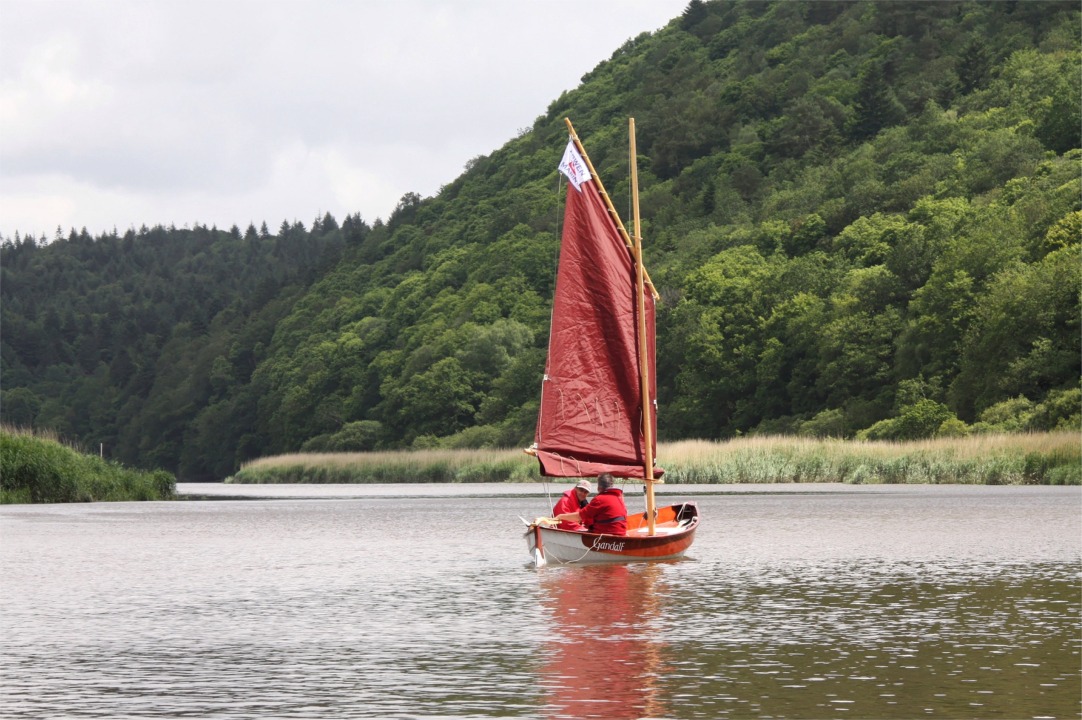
(401, 601)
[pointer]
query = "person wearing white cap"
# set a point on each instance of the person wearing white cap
(606, 513)
(571, 501)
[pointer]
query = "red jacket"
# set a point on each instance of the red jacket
(569, 503)
(606, 513)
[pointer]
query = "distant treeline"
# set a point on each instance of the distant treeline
(863, 219)
(40, 469)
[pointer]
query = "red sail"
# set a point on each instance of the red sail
(591, 409)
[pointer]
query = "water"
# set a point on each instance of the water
(402, 601)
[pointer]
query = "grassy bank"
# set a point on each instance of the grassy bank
(1015, 459)
(40, 469)
(419, 466)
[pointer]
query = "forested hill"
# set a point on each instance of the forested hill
(863, 217)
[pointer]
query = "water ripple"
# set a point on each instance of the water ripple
(406, 607)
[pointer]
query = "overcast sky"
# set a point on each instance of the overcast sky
(118, 113)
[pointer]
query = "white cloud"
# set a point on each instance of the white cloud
(119, 113)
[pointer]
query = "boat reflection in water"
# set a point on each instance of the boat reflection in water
(605, 657)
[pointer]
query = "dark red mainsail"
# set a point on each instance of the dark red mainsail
(591, 406)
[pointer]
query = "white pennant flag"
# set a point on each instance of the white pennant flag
(573, 166)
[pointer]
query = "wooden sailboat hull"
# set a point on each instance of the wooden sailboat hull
(674, 533)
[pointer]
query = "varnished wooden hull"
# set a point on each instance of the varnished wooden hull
(674, 533)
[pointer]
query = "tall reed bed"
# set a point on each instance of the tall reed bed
(420, 466)
(1016, 459)
(1039, 459)
(38, 468)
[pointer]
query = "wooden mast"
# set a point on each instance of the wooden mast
(644, 370)
(642, 279)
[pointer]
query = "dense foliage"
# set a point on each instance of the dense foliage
(146, 342)
(863, 219)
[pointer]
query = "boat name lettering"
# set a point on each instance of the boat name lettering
(609, 545)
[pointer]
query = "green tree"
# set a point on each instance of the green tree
(720, 321)
(1024, 339)
(21, 406)
(974, 65)
(438, 401)
(876, 106)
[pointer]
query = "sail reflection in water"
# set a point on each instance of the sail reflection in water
(602, 660)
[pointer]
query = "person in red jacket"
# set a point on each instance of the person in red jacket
(606, 513)
(572, 501)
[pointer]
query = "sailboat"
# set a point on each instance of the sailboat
(599, 392)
